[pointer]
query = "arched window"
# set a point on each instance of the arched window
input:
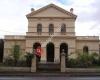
(63, 28)
(51, 28)
(85, 49)
(39, 28)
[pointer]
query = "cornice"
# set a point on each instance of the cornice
(48, 6)
(53, 37)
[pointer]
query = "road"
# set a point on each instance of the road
(49, 78)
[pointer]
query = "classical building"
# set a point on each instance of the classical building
(52, 28)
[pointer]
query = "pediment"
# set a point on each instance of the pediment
(51, 11)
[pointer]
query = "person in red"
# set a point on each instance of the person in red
(38, 53)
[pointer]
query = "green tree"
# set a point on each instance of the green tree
(16, 53)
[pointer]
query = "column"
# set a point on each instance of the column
(57, 55)
(43, 55)
(33, 65)
(63, 65)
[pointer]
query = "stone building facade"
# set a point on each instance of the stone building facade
(53, 28)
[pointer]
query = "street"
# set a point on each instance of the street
(49, 78)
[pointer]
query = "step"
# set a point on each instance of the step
(49, 66)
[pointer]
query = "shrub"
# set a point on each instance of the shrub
(72, 63)
(29, 57)
(94, 58)
(9, 62)
(84, 60)
(21, 63)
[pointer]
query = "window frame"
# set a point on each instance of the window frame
(63, 28)
(85, 49)
(51, 29)
(39, 28)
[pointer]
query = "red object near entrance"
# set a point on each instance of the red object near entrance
(38, 51)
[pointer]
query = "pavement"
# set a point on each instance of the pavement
(49, 74)
(48, 78)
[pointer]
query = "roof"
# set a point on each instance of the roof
(54, 6)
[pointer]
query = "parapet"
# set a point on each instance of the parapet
(15, 37)
(87, 37)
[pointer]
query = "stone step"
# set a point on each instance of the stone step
(49, 66)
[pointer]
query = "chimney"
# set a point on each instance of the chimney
(71, 10)
(32, 9)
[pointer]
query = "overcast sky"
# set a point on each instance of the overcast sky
(13, 20)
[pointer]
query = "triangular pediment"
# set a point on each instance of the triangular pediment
(51, 11)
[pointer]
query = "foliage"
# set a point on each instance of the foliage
(94, 58)
(72, 63)
(84, 60)
(10, 62)
(29, 57)
(16, 53)
(24, 61)
(98, 60)
(15, 59)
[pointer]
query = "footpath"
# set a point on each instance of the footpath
(49, 74)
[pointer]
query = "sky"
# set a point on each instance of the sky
(13, 19)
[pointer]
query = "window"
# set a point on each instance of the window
(85, 49)
(63, 28)
(51, 29)
(39, 28)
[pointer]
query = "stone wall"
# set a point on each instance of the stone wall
(55, 40)
(32, 26)
(15, 69)
(10, 41)
(92, 44)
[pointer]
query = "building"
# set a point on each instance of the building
(53, 28)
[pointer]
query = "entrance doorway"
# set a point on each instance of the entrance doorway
(35, 46)
(64, 47)
(50, 52)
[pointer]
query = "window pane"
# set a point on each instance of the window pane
(51, 29)
(63, 28)
(39, 28)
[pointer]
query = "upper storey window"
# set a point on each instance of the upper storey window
(51, 29)
(39, 28)
(63, 28)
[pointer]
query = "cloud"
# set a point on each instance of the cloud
(13, 20)
(87, 22)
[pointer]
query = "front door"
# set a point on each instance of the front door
(50, 52)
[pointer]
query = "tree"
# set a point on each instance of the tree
(16, 53)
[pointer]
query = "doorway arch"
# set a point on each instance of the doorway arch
(35, 46)
(50, 52)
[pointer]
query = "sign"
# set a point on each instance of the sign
(38, 51)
